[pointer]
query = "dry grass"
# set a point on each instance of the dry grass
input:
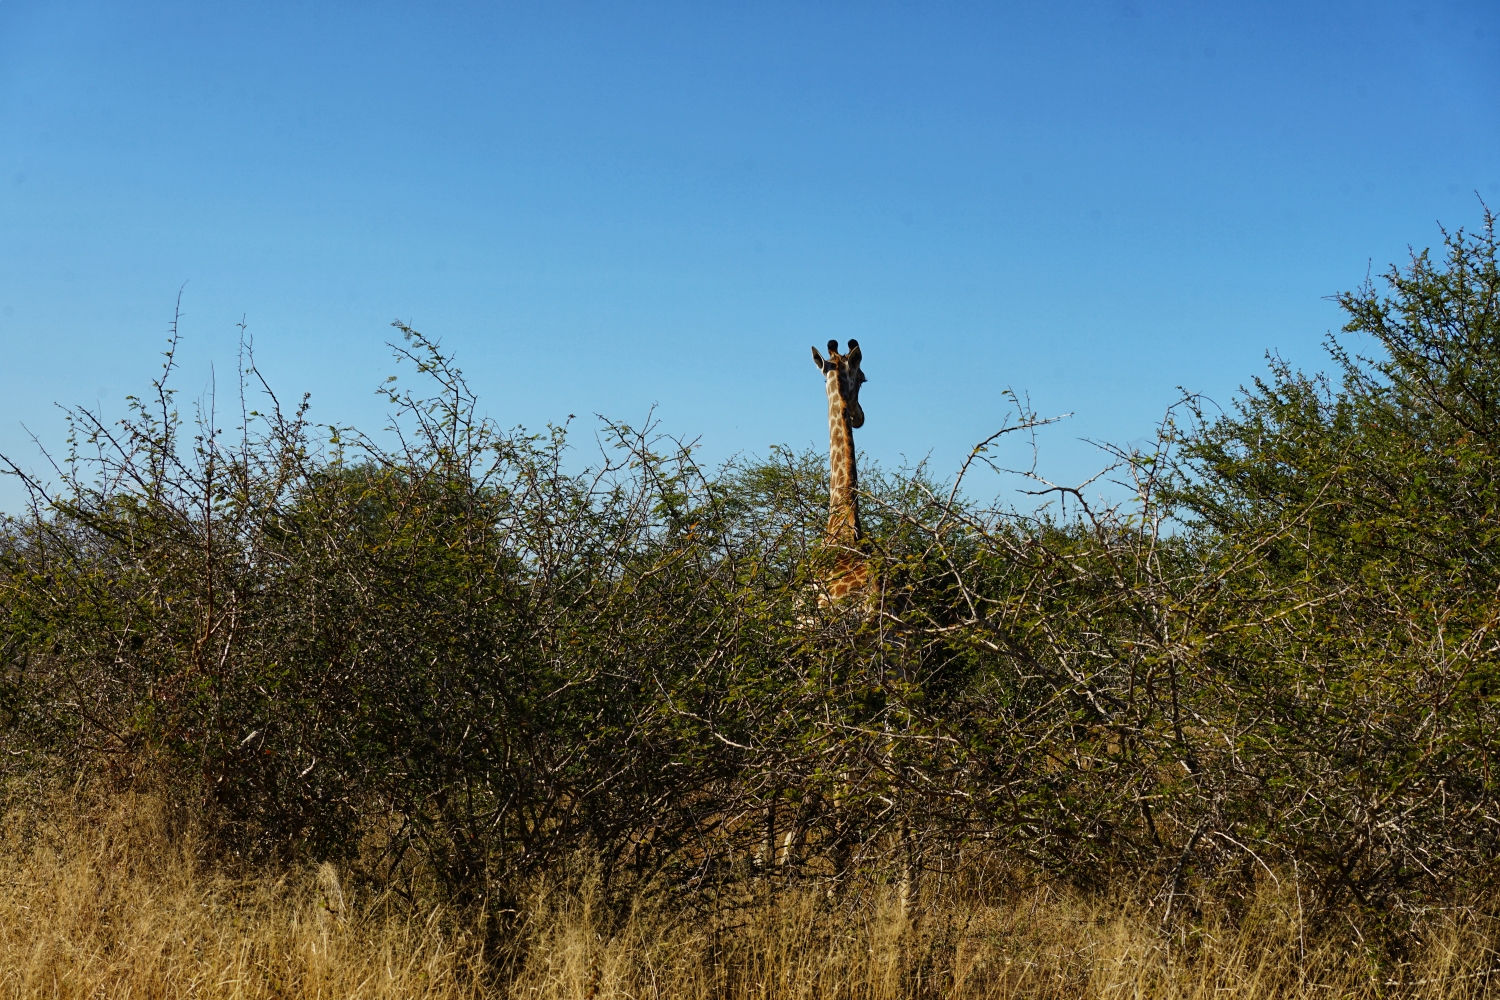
(113, 904)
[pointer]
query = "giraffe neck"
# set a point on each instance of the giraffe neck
(843, 482)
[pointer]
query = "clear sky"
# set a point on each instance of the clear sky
(600, 207)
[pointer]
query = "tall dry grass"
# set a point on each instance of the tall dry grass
(114, 902)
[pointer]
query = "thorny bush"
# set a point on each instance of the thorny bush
(454, 661)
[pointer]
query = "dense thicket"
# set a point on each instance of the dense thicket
(452, 659)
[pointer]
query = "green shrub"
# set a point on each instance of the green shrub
(462, 658)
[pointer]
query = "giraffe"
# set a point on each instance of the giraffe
(851, 576)
(851, 570)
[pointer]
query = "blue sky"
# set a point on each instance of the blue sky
(604, 207)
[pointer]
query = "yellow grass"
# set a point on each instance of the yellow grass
(113, 904)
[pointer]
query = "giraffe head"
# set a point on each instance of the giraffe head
(844, 377)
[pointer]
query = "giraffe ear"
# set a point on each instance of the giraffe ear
(818, 360)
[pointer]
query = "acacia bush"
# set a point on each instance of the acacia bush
(454, 660)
